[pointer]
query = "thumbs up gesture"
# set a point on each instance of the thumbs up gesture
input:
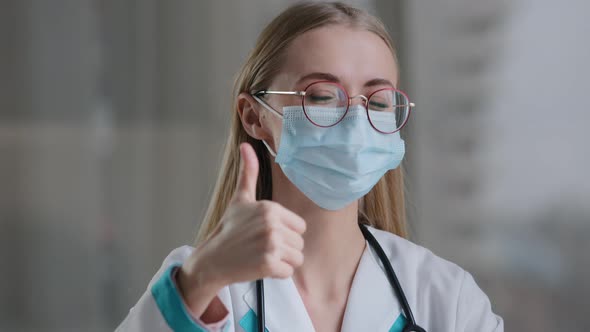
(254, 239)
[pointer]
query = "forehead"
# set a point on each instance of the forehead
(352, 54)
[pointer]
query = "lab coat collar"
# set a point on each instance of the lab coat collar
(285, 310)
(371, 305)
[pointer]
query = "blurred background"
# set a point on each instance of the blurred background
(113, 115)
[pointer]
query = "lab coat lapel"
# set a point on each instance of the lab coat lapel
(284, 307)
(372, 304)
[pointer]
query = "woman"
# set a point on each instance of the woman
(313, 157)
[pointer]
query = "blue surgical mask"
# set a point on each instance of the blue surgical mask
(337, 165)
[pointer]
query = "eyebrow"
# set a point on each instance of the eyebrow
(334, 78)
(379, 81)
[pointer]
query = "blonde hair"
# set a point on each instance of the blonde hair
(383, 207)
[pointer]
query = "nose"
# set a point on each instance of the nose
(363, 100)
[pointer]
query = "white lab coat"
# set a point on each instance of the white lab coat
(443, 297)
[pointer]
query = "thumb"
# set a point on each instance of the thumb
(248, 174)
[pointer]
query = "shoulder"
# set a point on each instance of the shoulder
(421, 273)
(439, 287)
(415, 259)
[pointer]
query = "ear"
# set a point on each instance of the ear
(251, 115)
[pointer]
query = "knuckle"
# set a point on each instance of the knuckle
(288, 271)
(266, 209)
(272, 242)
(303, 224)
(300, 224)
(269, 228)
(300, 243)
(267, 264)
(300, 259)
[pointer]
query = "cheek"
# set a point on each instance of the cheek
(274, 123)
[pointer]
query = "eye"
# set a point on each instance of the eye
(321, 97)
(379, 105)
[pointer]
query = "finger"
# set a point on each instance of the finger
(292, 256)
(282, 270)
(248, 174)
(292, 220)
(277, 212)
(292, 238)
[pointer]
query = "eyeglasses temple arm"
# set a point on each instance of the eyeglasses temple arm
(269, 92)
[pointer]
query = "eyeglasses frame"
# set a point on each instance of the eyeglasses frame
(364, 98)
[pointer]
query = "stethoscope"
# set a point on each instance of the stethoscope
(393, 281)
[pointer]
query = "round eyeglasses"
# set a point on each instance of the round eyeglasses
(326, 103)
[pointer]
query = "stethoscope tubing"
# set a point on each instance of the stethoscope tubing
(260, 304)
(393, 280)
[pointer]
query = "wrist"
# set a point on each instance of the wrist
(197, 282)
(200, 300)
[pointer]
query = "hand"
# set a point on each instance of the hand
(254, 239)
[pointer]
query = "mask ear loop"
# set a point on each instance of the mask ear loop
(265, 105)
(272, 153)
(273, 111)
